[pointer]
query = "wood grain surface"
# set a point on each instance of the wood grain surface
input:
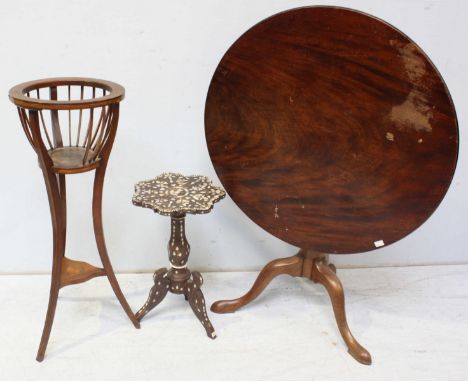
(331, 129)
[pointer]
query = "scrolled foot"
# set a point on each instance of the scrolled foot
(197, 303)
(156, 294)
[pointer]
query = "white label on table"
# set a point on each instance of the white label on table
(379, 243)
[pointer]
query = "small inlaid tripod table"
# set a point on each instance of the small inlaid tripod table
(176, 195)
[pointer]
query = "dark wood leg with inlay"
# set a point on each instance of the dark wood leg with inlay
(156, 294)
(197, 302)
(316, 267)
(179, 279)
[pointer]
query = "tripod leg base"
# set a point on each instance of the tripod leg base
(314, 266)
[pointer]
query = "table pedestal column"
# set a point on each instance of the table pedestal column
(178, 279)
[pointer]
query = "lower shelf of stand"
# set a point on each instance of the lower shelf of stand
(75, 272)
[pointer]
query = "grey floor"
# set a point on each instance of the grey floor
(413, 320)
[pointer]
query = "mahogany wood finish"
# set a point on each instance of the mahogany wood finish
(333, 131)
(82, 131)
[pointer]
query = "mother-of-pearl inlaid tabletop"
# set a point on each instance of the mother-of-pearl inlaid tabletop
(173, 193)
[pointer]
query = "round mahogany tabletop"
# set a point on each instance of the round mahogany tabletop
(331, 129)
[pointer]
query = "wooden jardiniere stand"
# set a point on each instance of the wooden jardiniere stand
(71, 124)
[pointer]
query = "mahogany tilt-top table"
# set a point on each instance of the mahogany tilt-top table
(176, 195)
(71, 124)
(334, 132)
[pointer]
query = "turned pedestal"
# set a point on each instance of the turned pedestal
(178, 279)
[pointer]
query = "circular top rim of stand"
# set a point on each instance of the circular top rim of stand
(18, 94)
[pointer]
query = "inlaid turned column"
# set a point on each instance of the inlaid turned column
(178, 247)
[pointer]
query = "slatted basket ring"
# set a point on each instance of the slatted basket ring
(74, 118)
(71, 124)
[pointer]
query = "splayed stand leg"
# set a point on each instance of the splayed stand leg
(315, 267)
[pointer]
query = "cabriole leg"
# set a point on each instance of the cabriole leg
(288, 265)
(324, 274)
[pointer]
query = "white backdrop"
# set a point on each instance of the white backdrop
(164, 53)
